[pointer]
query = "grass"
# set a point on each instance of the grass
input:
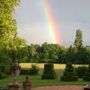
(37, 82)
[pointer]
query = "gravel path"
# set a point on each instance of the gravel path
(60, 88)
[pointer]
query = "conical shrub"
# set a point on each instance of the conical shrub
(48, 72)
(69, 73)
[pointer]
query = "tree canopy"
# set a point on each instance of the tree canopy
(78, 41)
(7, 21)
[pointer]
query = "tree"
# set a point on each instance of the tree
(62, 55)
(70, 55)
(7, 21)
(7, 30)
(82, 56)
(78, 40)
(81, 71)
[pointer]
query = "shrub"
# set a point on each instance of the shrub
(81, 71)
(69, 73)
(86, 77)
(31, 71)
(34, 70)
(24, 71)
(3, 75)
(48, 72)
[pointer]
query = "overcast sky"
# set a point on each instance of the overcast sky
(68, 14)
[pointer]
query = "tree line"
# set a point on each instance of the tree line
(53, 53)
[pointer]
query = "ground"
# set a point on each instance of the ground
(75, 87)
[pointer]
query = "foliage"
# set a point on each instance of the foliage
(48, 72)
(33, 70)
(24, 71)
(78, 40)
(52, 53)
(81, 71)
(69, 73)
(61, 55)
(30, 71)
(70, 55)
(5, 60)
(82, 56)
(86, 77)
(9, 42)
(7, 22)
(3, 75)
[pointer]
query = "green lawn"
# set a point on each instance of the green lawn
(36, 81)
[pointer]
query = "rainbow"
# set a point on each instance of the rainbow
(53, 30)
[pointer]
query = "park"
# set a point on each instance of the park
(49, 66)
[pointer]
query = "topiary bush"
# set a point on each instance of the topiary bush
(86, 77)
(33, 70)
(48, 72)
(69, 73)
(81, 71)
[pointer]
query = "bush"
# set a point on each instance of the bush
(69, 73)
(5, 63)
(48, 72)
(81, 71)
(34, 70)
(24, 71)
(86, 77)
(31, 71)
(3, 75)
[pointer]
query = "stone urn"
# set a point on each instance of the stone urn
(87, 87)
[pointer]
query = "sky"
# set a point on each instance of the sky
(67, 15)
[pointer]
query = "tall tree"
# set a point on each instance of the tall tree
(7, 21)
(7, 30)
(78, 40)
(70, 56)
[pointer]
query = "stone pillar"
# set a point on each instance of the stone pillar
(27, 84)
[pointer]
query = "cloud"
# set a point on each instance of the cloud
(35, 33)
(69, 15)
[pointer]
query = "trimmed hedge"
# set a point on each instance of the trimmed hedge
(49, 72)
(69, 73)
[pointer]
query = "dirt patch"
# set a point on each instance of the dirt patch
(59, 88)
